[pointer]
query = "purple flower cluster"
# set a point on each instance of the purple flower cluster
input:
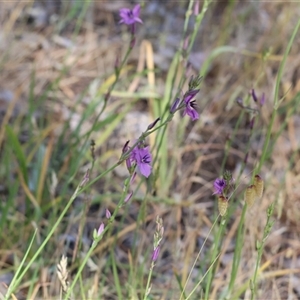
(188, 101)
(141, 158)
(190, 105)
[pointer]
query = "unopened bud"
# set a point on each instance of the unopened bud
(128, 197)
(100, 230)
(125, 147)
(222, 205)
(107, 214)
(174, 106)
(254, 97)
(152, 125)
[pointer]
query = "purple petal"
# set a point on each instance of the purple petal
(191, 112)
(190, 95)
(145, 169)
(136, 10)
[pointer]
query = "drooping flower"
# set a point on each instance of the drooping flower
(219, 186)
(142, 157)
(129, 16)
(190, 105)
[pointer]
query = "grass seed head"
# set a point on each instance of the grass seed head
(250, 195)
(222, 205)
(259, 186)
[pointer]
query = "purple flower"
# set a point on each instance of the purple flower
(219, 186)
(190, 105)
(142, 157)
(129, 16)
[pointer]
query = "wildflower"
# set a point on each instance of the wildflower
(142, 157)
(129, 17)
(190, 105)
(219, 186)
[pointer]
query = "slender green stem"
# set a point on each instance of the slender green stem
(149, 280)
(238, 250)
(197, 257)
(14, 281)
(98, 239)
(207, 272)
(39, 250)
(215, 250)
(260, 248)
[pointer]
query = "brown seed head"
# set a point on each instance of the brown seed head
(222, 205)
(250, 195)
(259, 186)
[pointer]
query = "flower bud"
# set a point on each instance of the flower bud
(100, 230)
(107, 214)
(152, 125)
(174, 106)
